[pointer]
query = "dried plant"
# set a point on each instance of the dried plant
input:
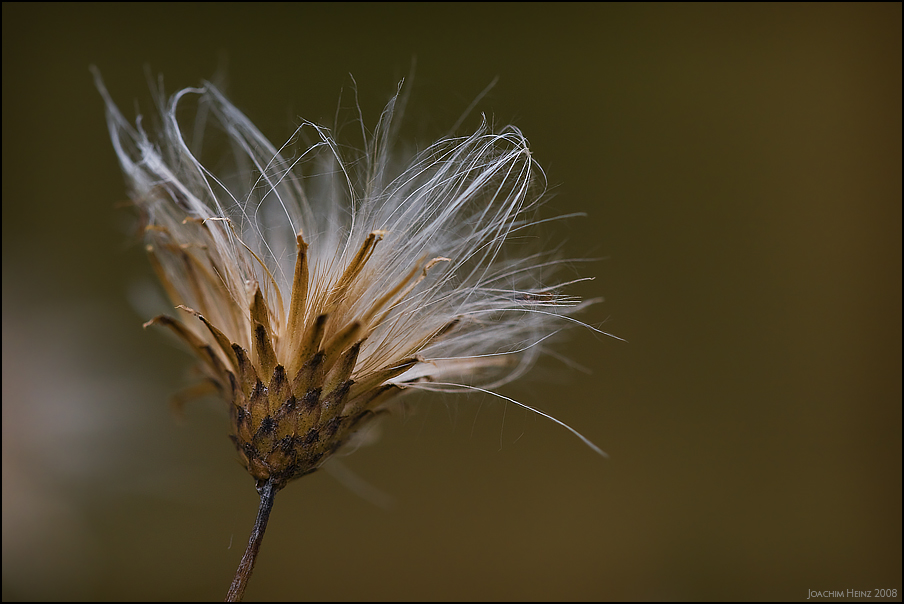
(317, 284)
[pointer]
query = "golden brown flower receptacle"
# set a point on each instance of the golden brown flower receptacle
(286, 422)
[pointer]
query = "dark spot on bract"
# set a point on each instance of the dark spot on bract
(311, 399)
(268, 425)
(331, 427)
(279, 378)
(259, 389)
(315, 360)
(287, 407)
(311, 437)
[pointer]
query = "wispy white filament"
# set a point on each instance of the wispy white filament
(451, 222)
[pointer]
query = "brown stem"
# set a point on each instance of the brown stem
(237, 589)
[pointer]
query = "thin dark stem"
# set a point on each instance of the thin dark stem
(237, 589)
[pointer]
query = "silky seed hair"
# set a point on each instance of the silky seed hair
(415, 265)
(282, 254)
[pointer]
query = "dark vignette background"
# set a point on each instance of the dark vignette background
(741, 171)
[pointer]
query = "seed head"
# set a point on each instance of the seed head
(316, 284)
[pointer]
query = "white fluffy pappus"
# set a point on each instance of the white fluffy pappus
(338, 270)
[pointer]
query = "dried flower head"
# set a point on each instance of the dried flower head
(316, 284)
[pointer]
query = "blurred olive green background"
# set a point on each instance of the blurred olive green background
(740, 167)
